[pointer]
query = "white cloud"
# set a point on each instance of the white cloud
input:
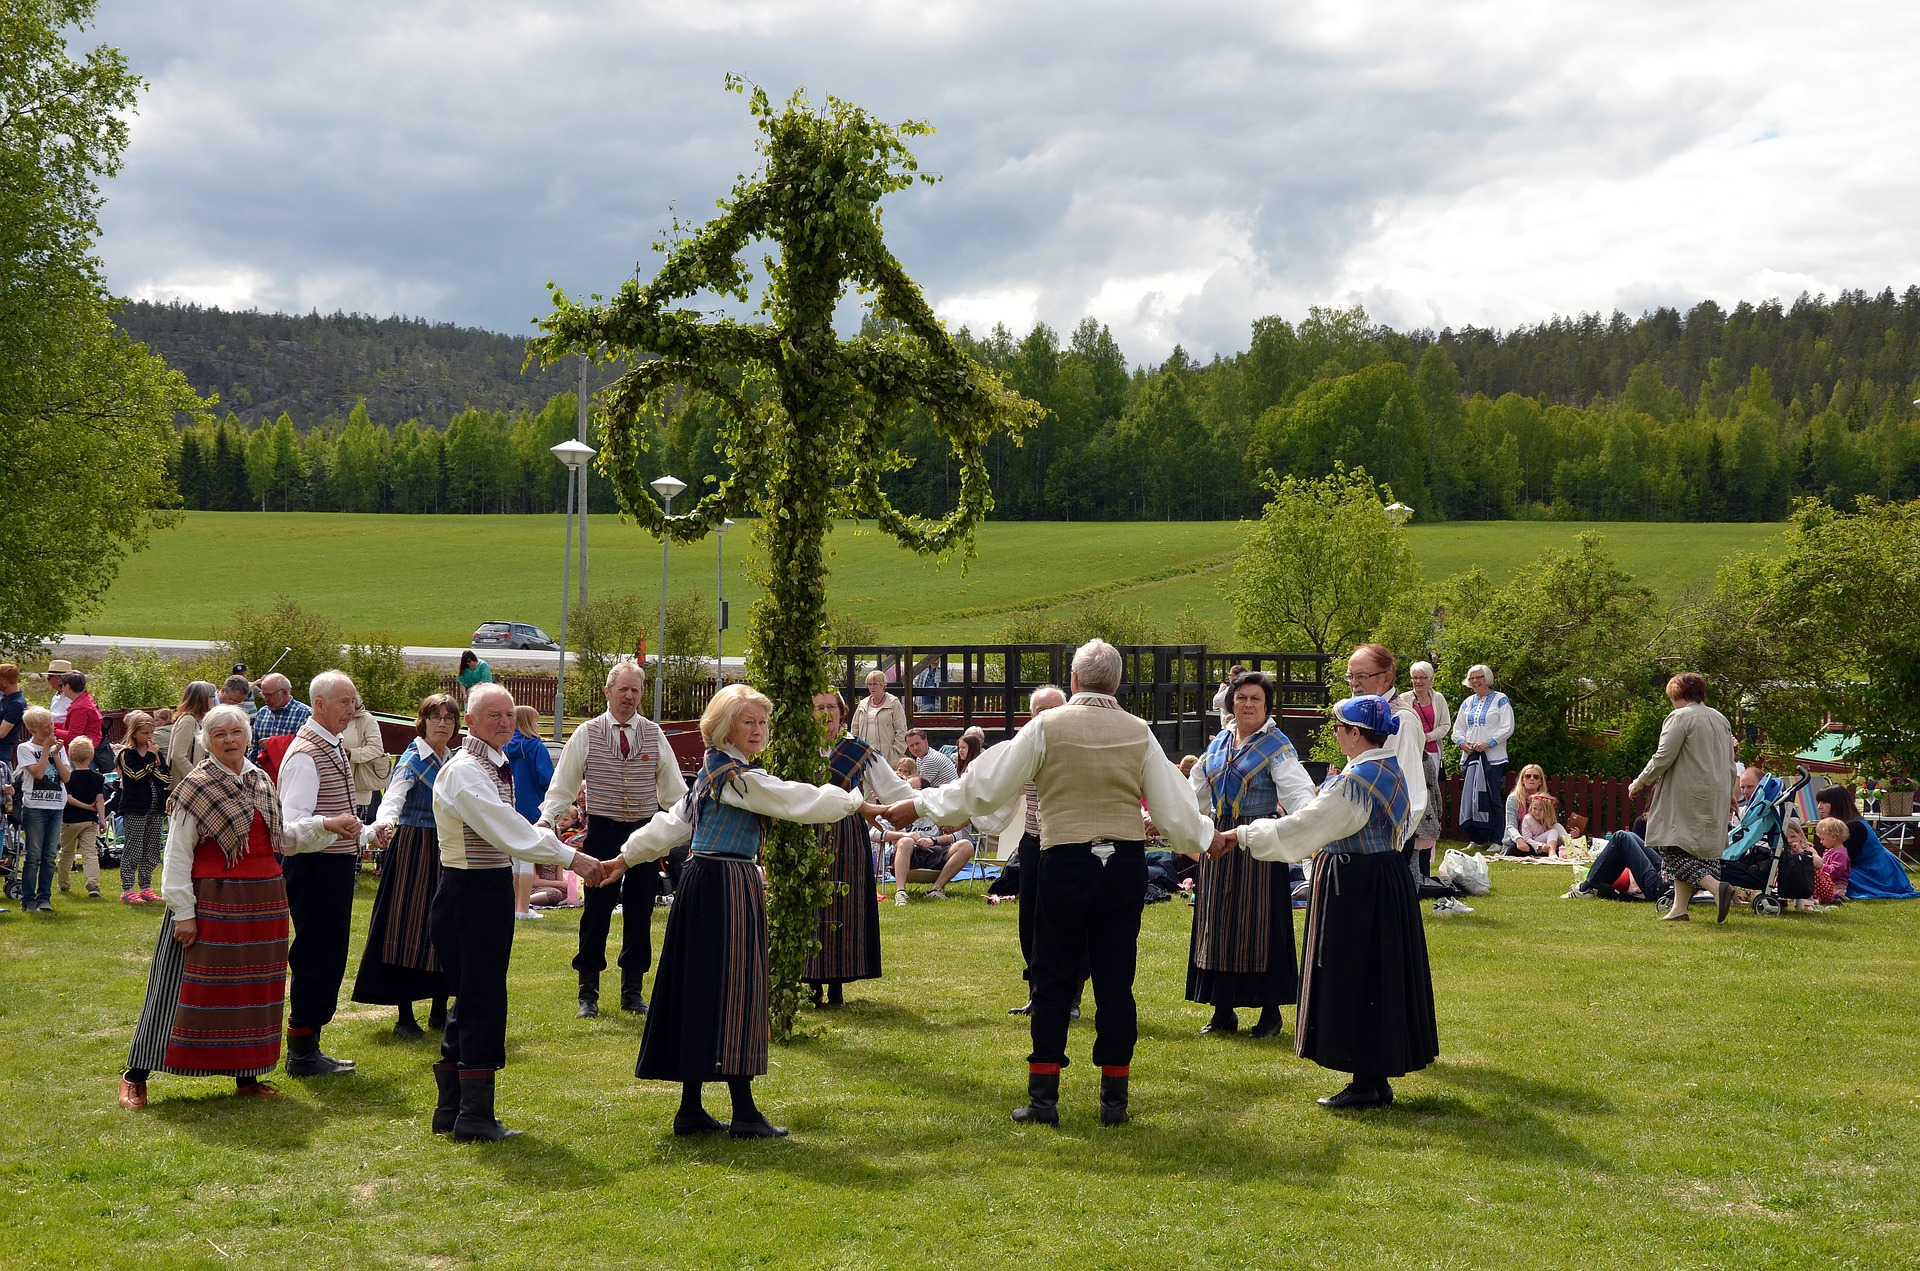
(1175, 173)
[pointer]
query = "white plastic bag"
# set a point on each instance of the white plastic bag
(1467, 872)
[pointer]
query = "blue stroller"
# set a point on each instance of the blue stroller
(1756, 845)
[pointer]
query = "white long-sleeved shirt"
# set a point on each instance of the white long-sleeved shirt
(176, 868)
(571, 772)
(300, 790)
(756, 790)
(1327, 818)
(400, 783)
(1289, 776)
(1409, 746)
(1488, 719)
(464, 794)
(997, 777)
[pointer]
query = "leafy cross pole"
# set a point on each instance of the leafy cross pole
(803, 417)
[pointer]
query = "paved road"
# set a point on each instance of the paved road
(96, 644)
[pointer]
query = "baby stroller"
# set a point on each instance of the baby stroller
(14, 844)
(1758, 843)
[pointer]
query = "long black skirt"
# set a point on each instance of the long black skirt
(1366, 991)
(847, 926)
(1243, 932)
(399, 964)
(708, 1018)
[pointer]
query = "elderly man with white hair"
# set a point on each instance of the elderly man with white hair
(1092, 764)
(1481, 730)
(316, 807)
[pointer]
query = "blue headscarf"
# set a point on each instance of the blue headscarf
(1372, 712)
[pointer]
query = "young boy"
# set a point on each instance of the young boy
(43, 768)
(83, 817)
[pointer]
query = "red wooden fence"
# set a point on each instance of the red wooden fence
(1602, 800)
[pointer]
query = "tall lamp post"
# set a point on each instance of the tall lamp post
(719, 592)
(1399, 513)
(576, 455)
(666, 488)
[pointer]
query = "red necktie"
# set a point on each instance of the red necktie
(625, 752)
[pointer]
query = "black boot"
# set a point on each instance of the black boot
(633, 998)
(306, 1059)
(1268, 1024)
(476, 1122)
(1113, 1099)
(836, 994)
(1043, 1100)
(446, 1075)
(437, 1017)
(589, 995)
(1223, 1021)
(405, 1025)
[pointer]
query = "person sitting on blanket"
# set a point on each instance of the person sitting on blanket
(925, 845)
(1540, 832)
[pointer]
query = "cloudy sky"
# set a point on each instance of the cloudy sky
(1173, 172)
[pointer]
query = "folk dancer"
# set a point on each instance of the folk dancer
(218, 980)
(848, 925)
(709, 1017)
(628, 768)
(480, 836)
(1044, 699)
(1242, 948)
(1366, 991)
(316, 803)
(398, 966)
(1093, 764)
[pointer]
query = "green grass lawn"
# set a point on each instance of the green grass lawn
(1611, 1092)
(433, 579)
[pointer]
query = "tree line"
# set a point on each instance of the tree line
(1703, 416)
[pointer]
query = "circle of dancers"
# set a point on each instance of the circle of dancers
(258, 883)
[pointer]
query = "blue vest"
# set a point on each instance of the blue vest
(1242, 779)
(417, 811)
(720, 828)
(1380, 785)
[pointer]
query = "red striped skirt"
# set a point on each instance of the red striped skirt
(233, 981)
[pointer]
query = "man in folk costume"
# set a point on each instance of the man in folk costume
(1092, 764)
(1242, 948)
(480, 836)
(1044, 699)
(623, 759)
(317, 807)
(1366, 990)
(848, 925)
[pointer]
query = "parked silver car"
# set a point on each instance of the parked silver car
(513, 635)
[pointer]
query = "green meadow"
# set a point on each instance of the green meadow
(432, 579)
(1611, 1092)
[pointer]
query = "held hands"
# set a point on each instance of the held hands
(1224, 841)
(598, 873)
(901, 813)
(185, 932)
(381, 834)
(345, 823)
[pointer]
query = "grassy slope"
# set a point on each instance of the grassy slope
(431, 580)
(1547, 1135)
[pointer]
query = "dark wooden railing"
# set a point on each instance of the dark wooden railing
(1602, 800)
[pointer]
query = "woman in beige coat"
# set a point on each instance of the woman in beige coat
(880, 720)
(1691, 775)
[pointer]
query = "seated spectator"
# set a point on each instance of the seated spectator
(931, 768)
(967, 749)
(1540, 831)
(1625, 869)
(1187, 763)
(1836, 867)
(908, 770)
(1532, 781)
(925, 845)
(1743, 787)
(1872, 871)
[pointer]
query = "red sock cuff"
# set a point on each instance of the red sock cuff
(474, 1074)
(1044, 1070)
(300, 1032)
(1115, 1070)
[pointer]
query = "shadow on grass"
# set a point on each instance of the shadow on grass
(533, 1160)
(1499, 1115)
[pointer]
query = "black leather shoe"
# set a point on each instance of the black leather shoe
(437, 1017)
(761, 1129)
(1021, 1010)
(1222, 1022)
(1725, 902)
(306, 1059)
(1356, 1096)
(408, 1028)
(1269, 1024)
(589, 995)
(1113, 1100)
(705, 1123)
(632, 1001)
(476, 1122)
(446, 1076)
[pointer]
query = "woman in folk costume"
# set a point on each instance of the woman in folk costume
(848, 925)
(1481, 730)
(1242, 950)
(218, 984)
(709, 1015)
(1366, 992)
(398, 967)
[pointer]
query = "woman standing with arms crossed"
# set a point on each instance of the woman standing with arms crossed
(1481, 730)
(709, 1016)
(1431, 708)
(1242, 948)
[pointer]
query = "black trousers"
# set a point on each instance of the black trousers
(472, 925)
(1088, 925)
(320, 900)
(636, 890)
(1029, 899)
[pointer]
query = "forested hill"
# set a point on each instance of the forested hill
(264, 365)
(1712, 414)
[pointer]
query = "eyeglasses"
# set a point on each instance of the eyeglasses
(1361, 677)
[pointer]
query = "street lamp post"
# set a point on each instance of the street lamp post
(1399, 513)
(719, 592)
(575, 455)
(666, 488)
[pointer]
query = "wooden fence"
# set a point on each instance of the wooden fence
(1602, 800)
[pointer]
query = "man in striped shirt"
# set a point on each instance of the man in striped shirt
(932, 767)
(280, 717)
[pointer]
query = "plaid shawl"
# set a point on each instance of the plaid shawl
(223, 805)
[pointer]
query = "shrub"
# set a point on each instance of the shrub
(143, 679)
(386, 683)
(311, 643)
(601, 632)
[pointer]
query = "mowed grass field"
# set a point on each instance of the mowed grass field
(1611, 1092)
(431, 580)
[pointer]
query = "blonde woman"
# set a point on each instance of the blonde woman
(185, 747)
(709, 1015)
(1531, 785)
